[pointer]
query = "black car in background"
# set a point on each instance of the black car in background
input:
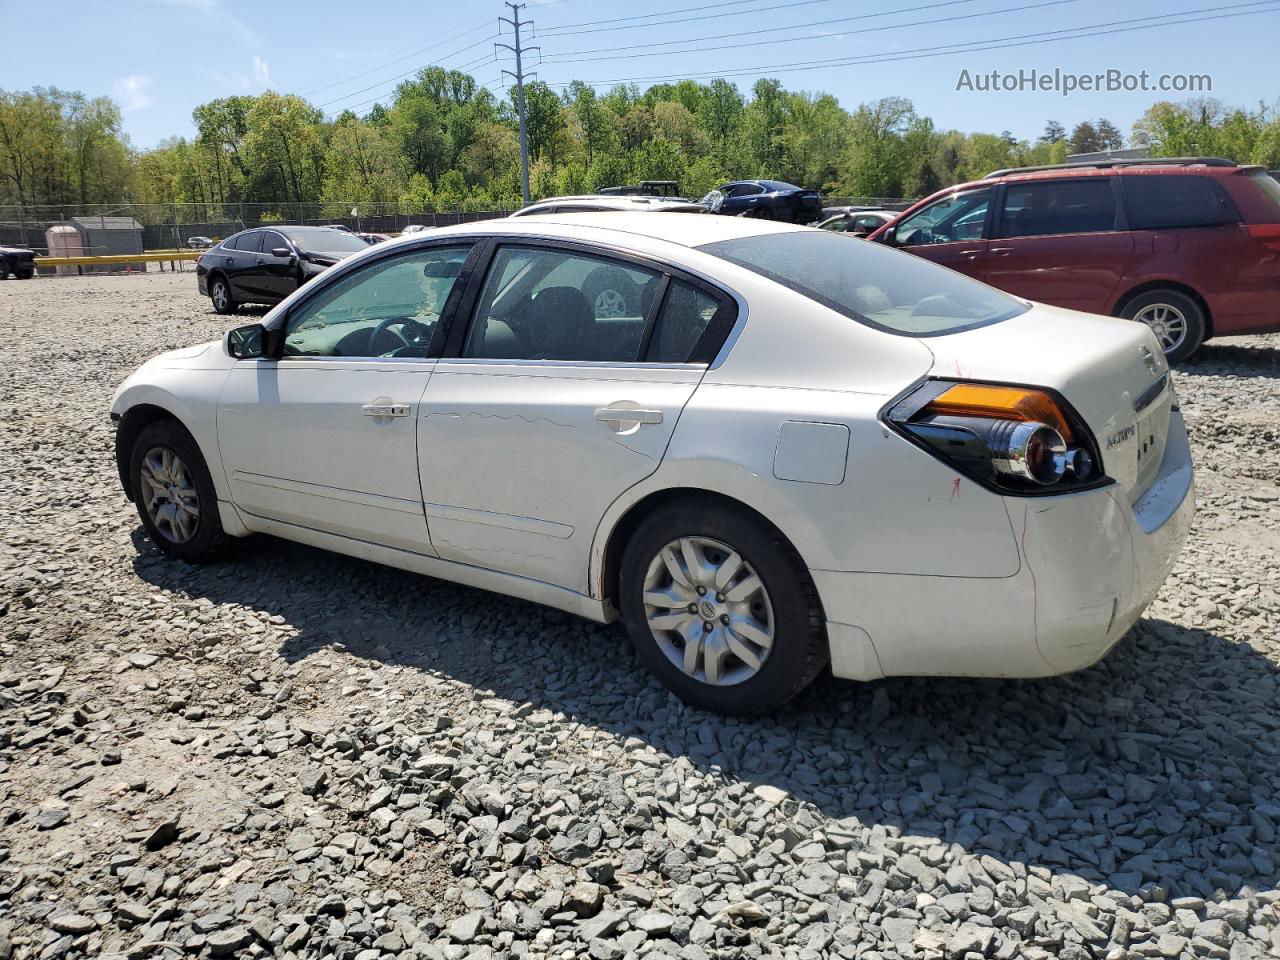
(769, 199)
(17, 262)
(265, 265)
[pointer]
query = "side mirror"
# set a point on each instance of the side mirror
(247, 343)
(283, 253)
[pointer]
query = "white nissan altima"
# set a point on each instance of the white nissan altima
(762, 448)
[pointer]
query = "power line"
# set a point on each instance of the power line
(614, 55)
(662, 13)
(409, 73)
(398, 59)
(518, 50)
(947, 49)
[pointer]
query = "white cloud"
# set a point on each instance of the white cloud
(134, 92)
(258, 77)
(260, 72)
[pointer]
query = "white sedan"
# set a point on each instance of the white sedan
(787, 451)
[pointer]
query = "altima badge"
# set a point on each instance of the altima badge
(1126, 434)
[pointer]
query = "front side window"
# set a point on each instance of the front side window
(837, 224)
(1172, 201)
(871, 284)
(1044, 208)
(389, 308)
(958, 218)
(546, 304)
(273, 241)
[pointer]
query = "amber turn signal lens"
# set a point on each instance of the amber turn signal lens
(1000, 403)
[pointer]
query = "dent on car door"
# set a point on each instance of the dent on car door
(545, 413)
(324, 437)
(950, 231)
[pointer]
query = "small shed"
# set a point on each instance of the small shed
(100, 237)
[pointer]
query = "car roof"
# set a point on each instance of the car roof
(687, 230)
(622, 200)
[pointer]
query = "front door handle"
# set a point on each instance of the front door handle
(621, 415)
(1003, 249)
(385, 409)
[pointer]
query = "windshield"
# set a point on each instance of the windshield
(870, 283)
(324, 240)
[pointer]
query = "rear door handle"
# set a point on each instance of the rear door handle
(385, 409)
(628, 415)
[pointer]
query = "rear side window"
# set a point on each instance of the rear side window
(247, 242)
(1269, 186)
(686, 313)
(1044, 208)
(1170, 201)
(882, 288)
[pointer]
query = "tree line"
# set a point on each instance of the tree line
(443, 142)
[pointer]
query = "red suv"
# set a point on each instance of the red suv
(1188, 246)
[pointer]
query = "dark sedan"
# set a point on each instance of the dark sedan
(266, 265)
(17, 262)
(768, 199)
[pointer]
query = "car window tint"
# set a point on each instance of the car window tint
(388, 308)
(271, 240)
(954, 219)
(545, 304)
(246, 242)
(1084, 205)
(872, 284)
(1169, 201)
(686, 311)
(837, 223)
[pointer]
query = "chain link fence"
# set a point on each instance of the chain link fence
(170, 226)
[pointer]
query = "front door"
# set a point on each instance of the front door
(949, 232)
(279, 275)
(324, 437)
(1056, 241)
(547, 412)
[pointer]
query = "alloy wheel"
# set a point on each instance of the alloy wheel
(708, 611)
(1167, 322)
(220, 295)
(169, 495)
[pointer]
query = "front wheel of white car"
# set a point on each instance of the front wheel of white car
(174, 493)
(721, 608)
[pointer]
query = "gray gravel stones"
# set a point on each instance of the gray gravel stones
(299, 755)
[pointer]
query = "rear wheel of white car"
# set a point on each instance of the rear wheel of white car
(1175, 318)
(721, 608)
(174, 493)
(220, 294)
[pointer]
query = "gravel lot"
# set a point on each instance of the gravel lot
(297, 754)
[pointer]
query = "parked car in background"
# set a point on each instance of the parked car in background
(339, 226)
(415, 228)
(768, 199)
(265, 265)
(1188, 246)
(859, 223)
(599, 203)
(645, 188)
(372, 238)
(791, 450)
(199, 243)
(17, 262)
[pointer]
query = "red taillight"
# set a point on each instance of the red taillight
(1267, 234)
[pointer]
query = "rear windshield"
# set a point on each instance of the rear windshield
(1172, 201)
(883, 288)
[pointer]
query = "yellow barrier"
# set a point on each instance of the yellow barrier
(152, 256)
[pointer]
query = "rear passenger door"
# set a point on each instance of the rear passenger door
(560, 388)
(1060, 242)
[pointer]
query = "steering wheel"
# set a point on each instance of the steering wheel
(408, 325)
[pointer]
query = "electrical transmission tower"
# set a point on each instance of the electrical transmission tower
(518, 49)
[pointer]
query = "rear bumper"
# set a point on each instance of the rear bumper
(1091, 563)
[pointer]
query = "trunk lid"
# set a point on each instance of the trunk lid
(1111, 371)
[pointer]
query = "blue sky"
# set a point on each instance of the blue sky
(160, 58)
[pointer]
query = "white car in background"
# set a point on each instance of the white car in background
(792, 451)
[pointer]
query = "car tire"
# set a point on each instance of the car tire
(220, 295)
(165, 455)
(1176, 319)
(25, 275)
(732, 543)
(611, 293)
(4, 270)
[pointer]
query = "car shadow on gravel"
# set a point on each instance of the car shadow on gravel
(1227, 359)
(1160, 765)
